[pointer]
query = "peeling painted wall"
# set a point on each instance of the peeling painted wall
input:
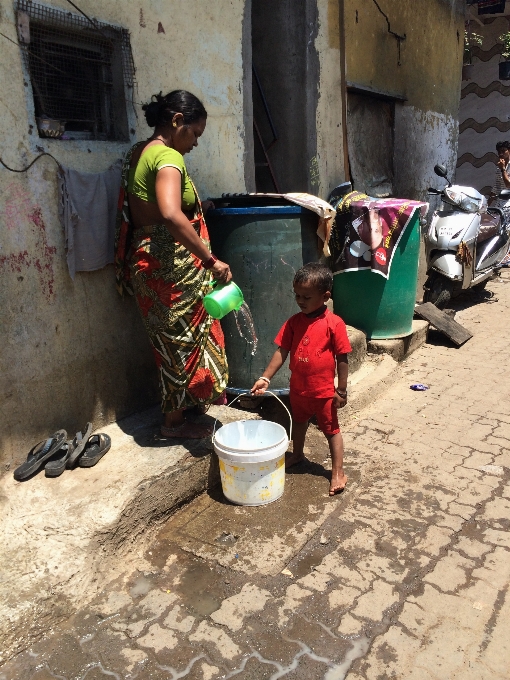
(428, 78)
(75, 351)
(329, 119)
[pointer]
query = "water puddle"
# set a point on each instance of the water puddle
(199, 589)
(99, 666)
(246, 327)
(306, 564)
(358, 649)
(175, 675)
(334, 672)
(141, 586)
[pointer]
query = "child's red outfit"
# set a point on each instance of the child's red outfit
(314, 344)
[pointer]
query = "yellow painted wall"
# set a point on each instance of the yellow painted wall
(428, 77)
(431, 54)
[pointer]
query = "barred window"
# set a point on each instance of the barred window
(81, 72)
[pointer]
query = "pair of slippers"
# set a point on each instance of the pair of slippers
(58, 453)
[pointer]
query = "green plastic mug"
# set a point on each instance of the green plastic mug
(224, 298)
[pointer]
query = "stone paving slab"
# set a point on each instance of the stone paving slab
(62, 538)
(58, 535)
(407, 578)
(259, 540)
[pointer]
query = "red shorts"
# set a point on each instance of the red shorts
(303, 408)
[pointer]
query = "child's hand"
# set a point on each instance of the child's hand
(339, 401)
(259, 387)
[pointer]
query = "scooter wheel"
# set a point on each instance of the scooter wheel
(438, 290)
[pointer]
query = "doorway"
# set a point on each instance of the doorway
(370, 139)
(284, 91)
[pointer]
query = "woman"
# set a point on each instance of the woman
(163, 257)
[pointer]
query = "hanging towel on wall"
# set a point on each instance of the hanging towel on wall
(88, 210)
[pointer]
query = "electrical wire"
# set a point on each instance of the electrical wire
(92, 21)
(30, 165)
(25, 47)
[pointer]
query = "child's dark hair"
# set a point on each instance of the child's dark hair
(316, 274)
(161, 110)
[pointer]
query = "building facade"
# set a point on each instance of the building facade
(484, 113)
(301, 95)
(73, 351)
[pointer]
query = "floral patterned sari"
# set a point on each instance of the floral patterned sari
(169, 284)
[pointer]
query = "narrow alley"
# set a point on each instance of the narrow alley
(407, 577)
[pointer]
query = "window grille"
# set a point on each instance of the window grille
(78, 71)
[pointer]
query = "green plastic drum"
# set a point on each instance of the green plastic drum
(264, 246)
(382, 308)
(222, 299)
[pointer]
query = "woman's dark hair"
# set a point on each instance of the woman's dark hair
(316, 274)
(502, 145)
(160, 110)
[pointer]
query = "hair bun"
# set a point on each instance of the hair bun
(161, 110)
(151, 113)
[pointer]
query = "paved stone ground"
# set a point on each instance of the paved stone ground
(406, 578)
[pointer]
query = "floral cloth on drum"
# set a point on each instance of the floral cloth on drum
(169, 284)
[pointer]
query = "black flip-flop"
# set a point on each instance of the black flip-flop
(57, 463)
(79, 442)
(39, 454)
(95, 448)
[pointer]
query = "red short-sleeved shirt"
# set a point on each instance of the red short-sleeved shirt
(313, 345)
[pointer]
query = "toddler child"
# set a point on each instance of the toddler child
(315, 338)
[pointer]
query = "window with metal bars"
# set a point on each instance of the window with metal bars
(80, 71)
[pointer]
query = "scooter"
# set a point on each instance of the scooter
(465, 243)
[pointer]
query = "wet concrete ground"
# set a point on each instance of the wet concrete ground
(403, 576)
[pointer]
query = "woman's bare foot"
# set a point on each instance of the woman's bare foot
(187, 431)
(338, 482)
(197, 410)
(292, 458)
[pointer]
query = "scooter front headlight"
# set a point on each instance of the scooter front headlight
(465, 202)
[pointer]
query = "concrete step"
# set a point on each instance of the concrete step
(400, 348)
(64, 538)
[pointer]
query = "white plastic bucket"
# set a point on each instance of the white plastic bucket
(252, 460)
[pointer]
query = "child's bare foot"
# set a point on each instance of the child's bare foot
(338, 482)
(292, 458)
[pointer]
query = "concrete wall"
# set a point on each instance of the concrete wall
(484, 113)
(428, 78)
(75, 351)
(296, 51)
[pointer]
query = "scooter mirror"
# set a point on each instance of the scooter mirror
(440, 170)
(505, 193)
(431, 190)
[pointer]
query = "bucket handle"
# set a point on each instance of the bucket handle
(266, 392)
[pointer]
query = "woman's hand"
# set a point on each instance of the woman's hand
(221, 272)
(259, 387)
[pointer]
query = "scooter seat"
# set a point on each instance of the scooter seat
(490, 225)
